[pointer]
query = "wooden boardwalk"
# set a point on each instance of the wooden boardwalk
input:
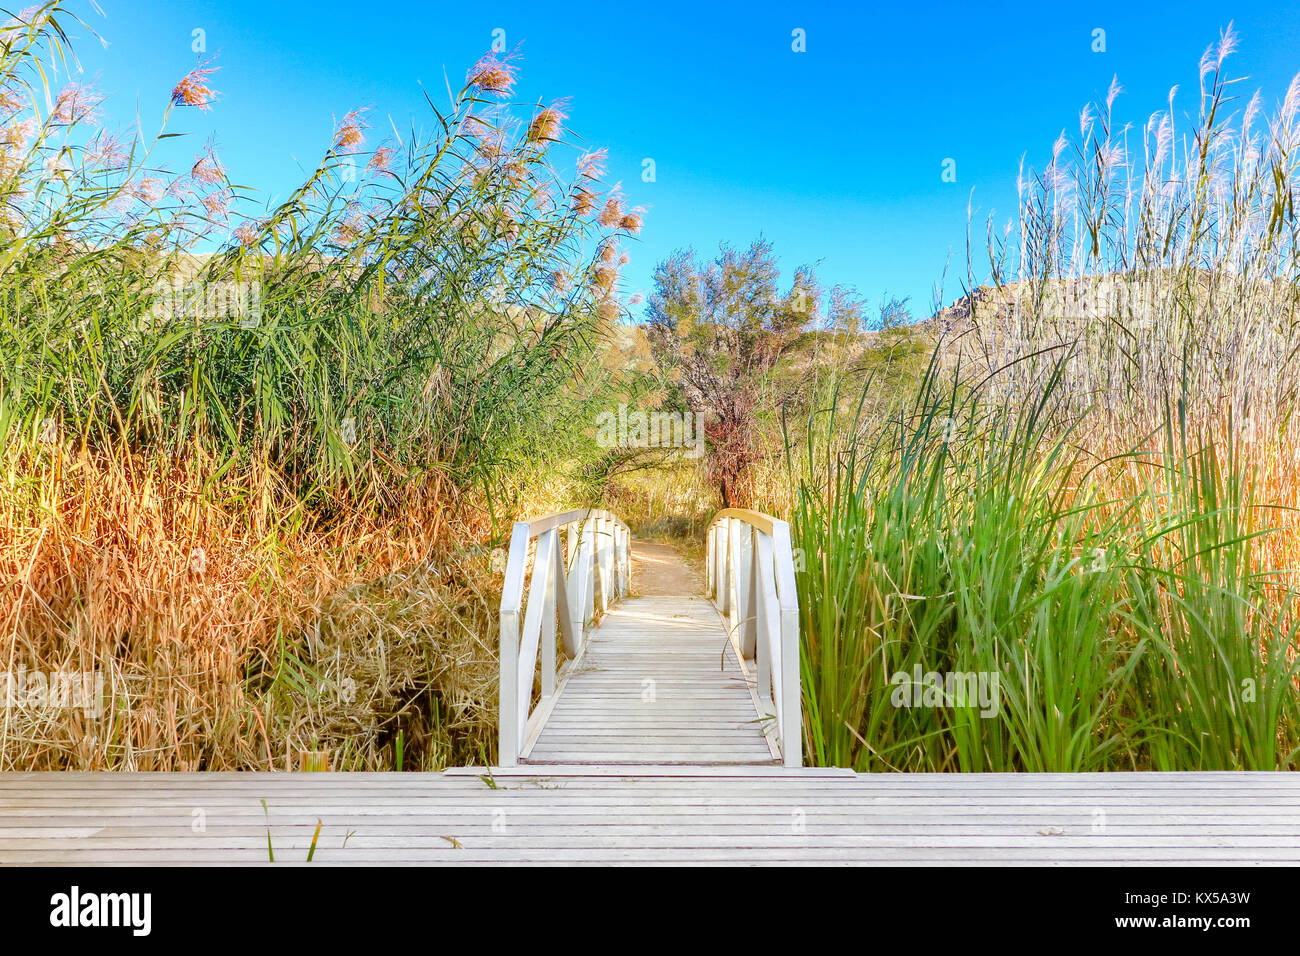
(669, 677)
(658, 683)
(655, 816)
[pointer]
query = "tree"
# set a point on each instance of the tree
(717, 330)
(894, 314)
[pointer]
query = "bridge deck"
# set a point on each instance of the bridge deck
(658, 683)
(666, 815)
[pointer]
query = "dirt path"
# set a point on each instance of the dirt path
(660, 569)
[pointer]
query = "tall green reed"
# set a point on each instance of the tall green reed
(1219, 691)
(966, 536)
(407, 308)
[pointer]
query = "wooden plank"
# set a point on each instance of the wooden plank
(654, 820)
(503, 839)
(975, 787)
(451, 855)
(656, 686)
(468, 819)
(632, 796)
(690, 815)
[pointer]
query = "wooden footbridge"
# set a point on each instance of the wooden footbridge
(668, 734)
(677, 679)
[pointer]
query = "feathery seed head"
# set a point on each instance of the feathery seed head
(76, 103)
(592, 165)
(349, 132)
(631, 221)
(381, 161)
(584, 201)
(193, 89)
(217, 205)
(493, 74)
(612, 214)
(208, 170)
(547, 124)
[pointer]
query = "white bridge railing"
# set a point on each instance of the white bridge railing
(751, 580)
(566, 574)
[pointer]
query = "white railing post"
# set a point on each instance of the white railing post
(627, 560)
(552, 584)
(792, 713)
(588, 570)
(621, 557)
(508, 741)
(573, 581)
(607, 586)
(771, 630)
(724, 569)
(598, 558)
(728, 579)
(708, 561)
(742, 565)
(570, 630)
(749, 626)
(762, 647)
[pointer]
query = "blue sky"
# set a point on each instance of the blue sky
(834, 154)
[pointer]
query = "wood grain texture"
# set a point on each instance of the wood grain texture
(654, 815)
(658, 683)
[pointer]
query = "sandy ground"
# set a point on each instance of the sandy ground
(659, 569)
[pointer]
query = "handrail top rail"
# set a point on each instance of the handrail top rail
(512, 590)
(763, 522)
(545, 523)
